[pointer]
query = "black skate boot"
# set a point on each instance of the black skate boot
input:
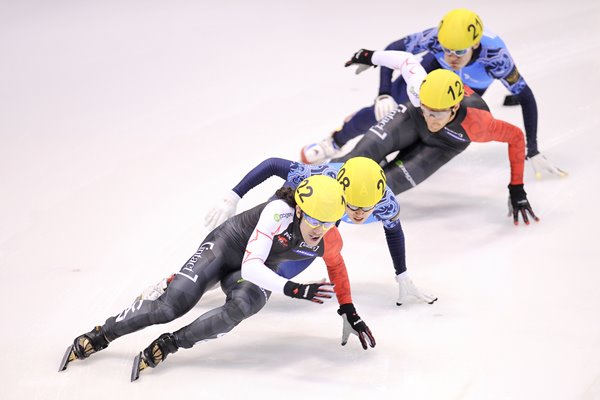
(83, 346)
(154, 354)
(511, 100)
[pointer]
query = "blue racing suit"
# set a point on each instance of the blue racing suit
(387, 210)
(490, 61)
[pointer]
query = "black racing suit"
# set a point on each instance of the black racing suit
(422, 152)
(218, 259)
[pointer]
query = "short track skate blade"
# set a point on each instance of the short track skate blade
(67, 358)
(135, 369)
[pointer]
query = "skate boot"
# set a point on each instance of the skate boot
(511, 100)
(154, 354)
(318, 153)
(83, 346)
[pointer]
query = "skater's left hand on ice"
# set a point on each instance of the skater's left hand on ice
(362, 58)
(518, 204)
(408, 291)
(222, 210)
(540, 164)
(353, 324)
(384, 104)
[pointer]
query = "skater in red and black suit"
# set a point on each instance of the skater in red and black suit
(450, 117)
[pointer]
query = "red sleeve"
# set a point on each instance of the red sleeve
(481, 126)
(336, 268)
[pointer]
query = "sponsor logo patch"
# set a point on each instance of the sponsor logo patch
(513, 77)
(279, 217)
(313, 248)
(305, 253)
(282, 241)
(456, 135)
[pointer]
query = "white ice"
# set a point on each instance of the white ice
(122, 122)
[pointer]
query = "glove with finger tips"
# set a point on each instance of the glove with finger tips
(518, 204)
(315, 292)
(408, 291)
(222, 210)
(353, 324)
(153, 292)
(384, 104)
(362, 58)
(540, 164)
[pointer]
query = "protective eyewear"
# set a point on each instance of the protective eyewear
(457, 53)
(315, 223)
(364, 209)
(435, 114)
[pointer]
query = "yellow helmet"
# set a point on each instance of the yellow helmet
(441, 89)
(363, 181)
(321, 197)
(460, 29)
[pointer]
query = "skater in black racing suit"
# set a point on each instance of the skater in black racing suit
(243, 254)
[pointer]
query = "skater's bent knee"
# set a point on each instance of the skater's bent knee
(239, 309)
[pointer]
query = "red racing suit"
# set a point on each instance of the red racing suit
(422, 152)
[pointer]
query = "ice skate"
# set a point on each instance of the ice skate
(83, 346)
(154, 354)
(318, 153)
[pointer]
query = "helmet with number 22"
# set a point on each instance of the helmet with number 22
(321, 197)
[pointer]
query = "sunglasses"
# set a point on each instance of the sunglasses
(457, 53)
(315, 223)
(364, 209)
(435, 114)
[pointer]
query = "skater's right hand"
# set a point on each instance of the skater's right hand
(362, 58)
(519, 205)
(315, 292)
(222, 210)
(353, 324)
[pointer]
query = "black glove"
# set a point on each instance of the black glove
(353, 324)
(309, 291)
(518, 203)
(363, 59)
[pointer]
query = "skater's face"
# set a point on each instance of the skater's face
(312, 229)
(358, 215)
(437, 119)
(458, 59)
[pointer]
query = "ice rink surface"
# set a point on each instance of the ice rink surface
(123, 122)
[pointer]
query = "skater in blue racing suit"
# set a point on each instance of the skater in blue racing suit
(461, 44)
(364, 206)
